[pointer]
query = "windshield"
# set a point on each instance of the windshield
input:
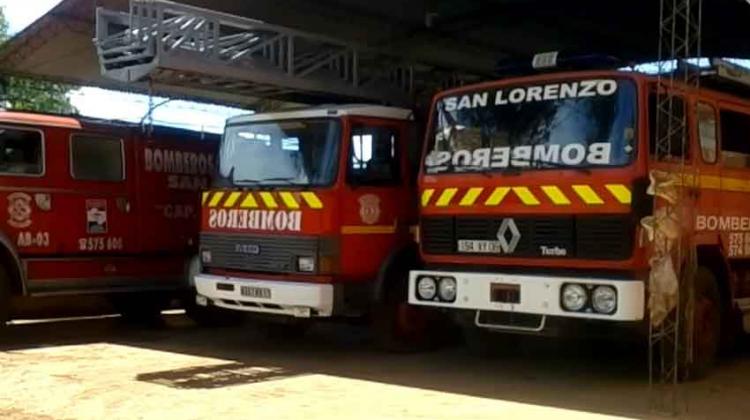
(579, 124)
(293, 152)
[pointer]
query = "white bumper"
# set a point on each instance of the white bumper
(286, 298)
(539, 295)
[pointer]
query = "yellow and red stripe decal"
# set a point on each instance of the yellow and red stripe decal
(286, 200)
(367, 229)
(530, 196)
(713, 182)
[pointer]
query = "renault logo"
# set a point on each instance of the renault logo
(508, 236)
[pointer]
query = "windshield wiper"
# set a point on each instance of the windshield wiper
(475, 169)
(536, 164)
(257, 182)
(285, 180)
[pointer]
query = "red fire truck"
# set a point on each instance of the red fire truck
(98, 208)
(535, 214)
(310, 217)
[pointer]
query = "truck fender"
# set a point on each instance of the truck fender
(10, 259)
(398, 263)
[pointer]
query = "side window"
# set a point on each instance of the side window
(706, 116)
(373, 157)
(675, 138)
(96, 158)
(735, 136)
(21, 152)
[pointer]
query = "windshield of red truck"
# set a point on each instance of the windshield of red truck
(578, 124)
(277, 153)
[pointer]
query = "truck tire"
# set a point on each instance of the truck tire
(5, 297)
(707, 326)
(398, 327)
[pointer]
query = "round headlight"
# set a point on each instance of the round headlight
(604, 299)
(426, 288)
(447, 289)
(573, 297)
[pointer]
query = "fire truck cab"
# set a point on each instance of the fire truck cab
(535, 212)
(310, 214)
(93, 207)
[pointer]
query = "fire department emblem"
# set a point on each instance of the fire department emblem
(19, 210)
(369, 208)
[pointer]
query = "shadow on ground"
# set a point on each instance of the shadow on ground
(593, 376)
(218, 376)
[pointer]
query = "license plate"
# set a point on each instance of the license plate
(479, 247)
(505, 293)
(255, 292)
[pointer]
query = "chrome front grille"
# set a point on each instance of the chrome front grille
(605, 237)
(257, 253)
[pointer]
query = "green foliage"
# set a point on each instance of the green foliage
(31, 94)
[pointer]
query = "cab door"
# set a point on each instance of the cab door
(26, 223)
(100, 208)
(377, 204)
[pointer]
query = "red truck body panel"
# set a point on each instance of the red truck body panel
(76, 235)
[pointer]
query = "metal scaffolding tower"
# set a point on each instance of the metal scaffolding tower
(670, 342)
(175, 44)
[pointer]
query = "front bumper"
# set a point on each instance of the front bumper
(303, 300)
(538, 295)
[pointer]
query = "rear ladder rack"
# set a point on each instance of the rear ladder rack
(180, 45)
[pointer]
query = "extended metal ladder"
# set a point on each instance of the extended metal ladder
(180, 45)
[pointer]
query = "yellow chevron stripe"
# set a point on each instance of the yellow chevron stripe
(526, 196)
(232, 199)
(620, 192)
(556, 195)
(426, 195)
(205, 197)
(249, 202)
(216, 199)
(471, 197)
(312, 200)
(446, 197)
(268, 200)
(289, 200)
(587, 194)
(497, 196)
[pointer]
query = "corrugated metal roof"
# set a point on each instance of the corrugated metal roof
(471, 35)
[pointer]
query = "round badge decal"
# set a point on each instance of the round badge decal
(19, 210)
(369, 209)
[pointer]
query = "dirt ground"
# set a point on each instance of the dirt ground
(103, 369)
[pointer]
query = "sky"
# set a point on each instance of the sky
(108, 104)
